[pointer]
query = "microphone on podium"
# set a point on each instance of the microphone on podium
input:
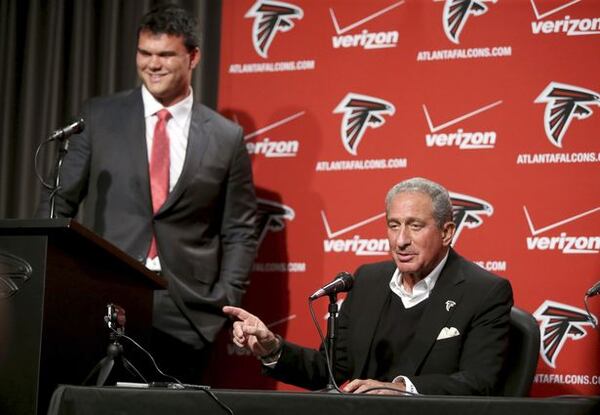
(594, 290)
(342, 283)
(64, 133)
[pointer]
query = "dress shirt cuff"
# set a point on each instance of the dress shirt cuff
(271, 359)
(270, 364)
(408, 385)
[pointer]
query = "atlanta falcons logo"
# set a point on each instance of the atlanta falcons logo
(467, 211)
(271, 17)
(14, 271)
(563, 102)
(456, 13)
(360, 112)
(271, 216)
(558, 323)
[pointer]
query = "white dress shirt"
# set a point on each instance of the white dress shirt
(421, 290)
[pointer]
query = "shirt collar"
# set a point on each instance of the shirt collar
(179, 111)
(421, 290)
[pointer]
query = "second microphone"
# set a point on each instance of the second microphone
(341, 283)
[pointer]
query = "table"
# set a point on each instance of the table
(73, 400)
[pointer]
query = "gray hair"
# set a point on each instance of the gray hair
(442, 206)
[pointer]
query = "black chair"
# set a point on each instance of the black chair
(523, 353)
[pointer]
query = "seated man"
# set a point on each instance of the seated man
(428, 322)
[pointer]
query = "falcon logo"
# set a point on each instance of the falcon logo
(467, 211)
(559, 322)
(271, 216)
(360, 112)
(271, 17)
(14, 272)
(456, 13)
(563, 102)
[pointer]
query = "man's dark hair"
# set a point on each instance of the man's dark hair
(172, 20)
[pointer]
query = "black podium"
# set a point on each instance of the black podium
(56, 279)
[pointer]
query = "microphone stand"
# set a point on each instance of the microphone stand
(331, 330)
(62, 152)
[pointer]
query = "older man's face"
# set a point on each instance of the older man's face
(417, 244)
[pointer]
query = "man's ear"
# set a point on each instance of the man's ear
(194, 58)
(448, 233)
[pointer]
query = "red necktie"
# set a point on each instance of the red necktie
(159, 168)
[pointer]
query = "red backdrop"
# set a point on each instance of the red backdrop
(340, 100)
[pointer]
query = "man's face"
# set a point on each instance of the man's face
(417, 244)
(165, 66)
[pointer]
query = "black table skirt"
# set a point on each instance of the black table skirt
(75, 400)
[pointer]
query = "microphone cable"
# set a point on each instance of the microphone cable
(330, 370)
(177, 383)
(590, 316)
(35, 165)
(139, 346)
(324, 345)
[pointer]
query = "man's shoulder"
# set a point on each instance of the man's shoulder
(115, 101)
(475, 274)
(216, 120)
(118, 96)
(385, 268)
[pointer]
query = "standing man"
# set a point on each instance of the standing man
(427, 322)
(168, 181)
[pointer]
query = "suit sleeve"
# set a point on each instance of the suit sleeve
(306, 367)
(238, 231)
(74, 177)
(483, 352)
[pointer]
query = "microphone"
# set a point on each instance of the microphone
(342, 283)
(64, 133)
(595, 290)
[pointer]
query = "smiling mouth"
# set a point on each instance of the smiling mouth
(156, 77)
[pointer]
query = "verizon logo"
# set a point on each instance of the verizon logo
(365, 39)
(269, 148)
(572, 27)
(476, 140)
(276, 148)
(356, 244)
(567, 25)
(565, 243)
(464, 140)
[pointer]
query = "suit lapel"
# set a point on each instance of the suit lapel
(198, 139)
(134, 133)
(447, 288)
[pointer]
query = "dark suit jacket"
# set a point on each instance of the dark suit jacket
(205, 230)
(462, 365)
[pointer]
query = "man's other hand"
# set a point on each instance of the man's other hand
(368, 385)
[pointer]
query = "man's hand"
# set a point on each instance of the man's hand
(362, 385)
(250, 333)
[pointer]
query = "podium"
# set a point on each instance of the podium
(56, 279)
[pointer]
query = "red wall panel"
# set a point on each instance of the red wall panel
(463, 103)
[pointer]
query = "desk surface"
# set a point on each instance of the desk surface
(72, 400)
